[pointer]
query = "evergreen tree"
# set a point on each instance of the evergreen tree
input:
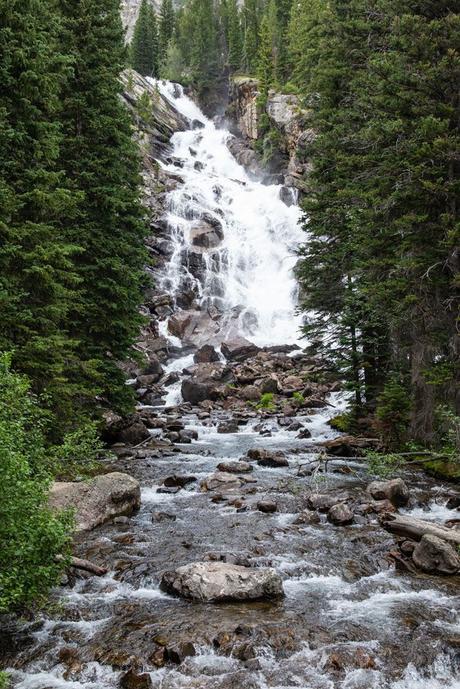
(267, 59)
(36, 273)
(234, 37)
(101, 162)
(166, 26)
(145, 50)
(251, 17)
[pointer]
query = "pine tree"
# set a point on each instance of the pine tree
(101, 162)
(251, 17)
(267, 58)
(234, 37)
(166, 26)
(145, 50)
(36, 274)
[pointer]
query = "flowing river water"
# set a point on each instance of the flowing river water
(348, 619)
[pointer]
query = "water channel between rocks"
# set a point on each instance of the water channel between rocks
(348, 619)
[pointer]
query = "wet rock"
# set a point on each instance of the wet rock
(218, 581)
(340, 515)
(205, 355)
(178, 481)
(134, 434)
(251, 393)
(348, 445)
(267, 458)
(307, 517)
(197, 124)
(187, 435)
(177, 653)
(229, 426)
(135, 680)
(395, 490)
(407, 547)
(206, 383)
(294, 426)
(168, 490)
(304, 434)
(238, 349)
(163, 517)
(453, 502)
(206, 235)
(235, 467)
(287, 196)
(432, 554)
(321, 502)
(221, 481)
(267, 506)
(97, 500)
(270, 384)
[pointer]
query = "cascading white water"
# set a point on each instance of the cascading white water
(248, 274)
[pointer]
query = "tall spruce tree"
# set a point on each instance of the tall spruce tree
(234, 36)
(145, 49)
(37, 279)
(166, 26)
(267, 56)
(251, 17)
(101, 162)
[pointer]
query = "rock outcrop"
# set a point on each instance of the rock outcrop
(213, 582)
(98, 500)
(286, 118)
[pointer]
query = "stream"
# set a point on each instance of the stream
(348, 620)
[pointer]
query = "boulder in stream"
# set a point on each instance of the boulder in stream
(205, 355)
(394, 490)
(238, 349)
(239, 467)
(340, 515)
(98, 500)
(433, 554)
(213, 582)
(267, 458)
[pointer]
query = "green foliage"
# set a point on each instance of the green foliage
(146, 46)
(383, 465)
(381, 81)
(266, 402)
(393, 412)
(101, 162)
(342, 423)
(174, 65)
(79, 454)
(30, 535)
(4, 680)
(447, 425)
(166, 26)
(298, 399)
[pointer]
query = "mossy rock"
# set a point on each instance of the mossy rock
(442, 469)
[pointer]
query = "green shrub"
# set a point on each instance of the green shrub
(31, 536)
(4, 680)
(393, 413)
(383, 465)
(266, 402)
(79, 454)
(298, 399)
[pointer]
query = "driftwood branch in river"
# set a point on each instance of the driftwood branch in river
(403, 525)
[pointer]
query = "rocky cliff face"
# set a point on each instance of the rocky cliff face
(287, 132)
(129, 14)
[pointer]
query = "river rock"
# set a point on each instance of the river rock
(321, 502)
(340, 515)
(206, 235)
(97, 500)
(267, 458)
(134, 434)
(206, 383)
(432, 554)
(221, 481)
(178, 481)
(267, 506)
(307, 517)
(230, 426)
(238, 349)
(205, 355)
(135, 680)
(218, 581)
(235, 467)
(394, 490)
(177, 653)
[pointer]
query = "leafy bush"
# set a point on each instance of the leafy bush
(4, 680)
(298, 398)
(79, 454)
(383, 465)
(266, 402)
(31, 536)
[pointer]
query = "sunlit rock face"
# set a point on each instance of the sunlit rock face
(129, 13)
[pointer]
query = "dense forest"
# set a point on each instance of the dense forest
(378, 82)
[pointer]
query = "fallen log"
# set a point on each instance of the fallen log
(415, 529)
(86, 565)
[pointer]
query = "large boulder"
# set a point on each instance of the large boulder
(205, 355)
(206, 235)
(221, 481)
(98, 500)
(213, 582)
(340, 515)
(207, 382)
(432, 554)
(268, 458)
(238, 349)
(394, 490)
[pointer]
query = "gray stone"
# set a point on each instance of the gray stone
(432, 554)
(97, 500)
(394, 490)
(218, 581)
(340, 515)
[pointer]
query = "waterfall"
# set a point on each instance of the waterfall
(234, 239)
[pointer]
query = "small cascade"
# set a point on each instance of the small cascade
(234, 239)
